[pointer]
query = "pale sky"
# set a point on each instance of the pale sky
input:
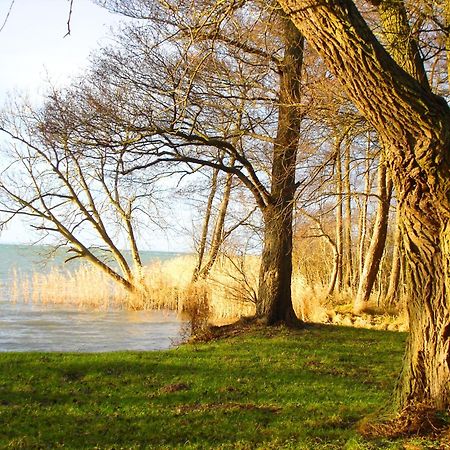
(33, 50)
(33, 47)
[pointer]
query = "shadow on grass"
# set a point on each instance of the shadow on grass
(293, 389)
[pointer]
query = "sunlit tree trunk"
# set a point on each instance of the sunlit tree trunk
(425, 374)
(205, 228)
(339, 219)
(413, 124)
(447, 41)
(398, 34)
(348, 246)
(363, 211)
(394, 277)
(378, 240)
(274, 291)
(218, 232)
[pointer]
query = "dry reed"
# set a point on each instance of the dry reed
(230, 288)
(83, 287)
(226, 295)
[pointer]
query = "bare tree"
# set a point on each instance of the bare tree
(71, 195)
(189, 77)
(377, 244)
(202, 245)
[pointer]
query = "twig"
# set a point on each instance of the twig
(7, 15)
(69, 18)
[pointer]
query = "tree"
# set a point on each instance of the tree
(201, 248)
(205, 262)
(274, 294)
(171, 93)
(72, 194)
(203, 71)
(377, 244)
(413, 124)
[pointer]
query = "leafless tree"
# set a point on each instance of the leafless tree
(72, 194)
(187, 78)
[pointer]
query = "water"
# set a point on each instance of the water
(25, 326)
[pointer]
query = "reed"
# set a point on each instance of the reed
(226, 295)
(230, 289)
(83, 287)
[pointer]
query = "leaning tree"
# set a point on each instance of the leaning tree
(388, 84)
(73, 193)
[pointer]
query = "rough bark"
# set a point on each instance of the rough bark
(399, 39)
(414, 126)
(274, 290)
(425, 373)
(377, 242)
(447, 40)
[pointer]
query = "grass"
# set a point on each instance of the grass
(276, 388)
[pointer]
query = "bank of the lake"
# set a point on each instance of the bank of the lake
(27, 325)
(303, 389)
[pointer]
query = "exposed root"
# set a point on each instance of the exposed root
(242, 326)
(418, 420)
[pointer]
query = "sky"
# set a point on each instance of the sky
(34, 50)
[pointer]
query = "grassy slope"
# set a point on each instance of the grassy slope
(272, 389)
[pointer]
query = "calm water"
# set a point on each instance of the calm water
(33, 327)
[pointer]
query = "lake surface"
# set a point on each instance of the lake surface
(27, 326)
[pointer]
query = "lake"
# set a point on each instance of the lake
(27, 326)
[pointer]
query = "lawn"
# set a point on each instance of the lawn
(277, 388)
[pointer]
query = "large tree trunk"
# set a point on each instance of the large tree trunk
(425, 377)
(274, 292)
(377, 243)
(414, 126)
(447, 41)
(400, 41)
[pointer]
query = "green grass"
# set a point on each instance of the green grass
(267, 389)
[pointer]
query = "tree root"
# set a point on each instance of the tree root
(244, 325)
(418, 419)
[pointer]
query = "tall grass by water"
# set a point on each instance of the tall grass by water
(230, 289)
(229, 292)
